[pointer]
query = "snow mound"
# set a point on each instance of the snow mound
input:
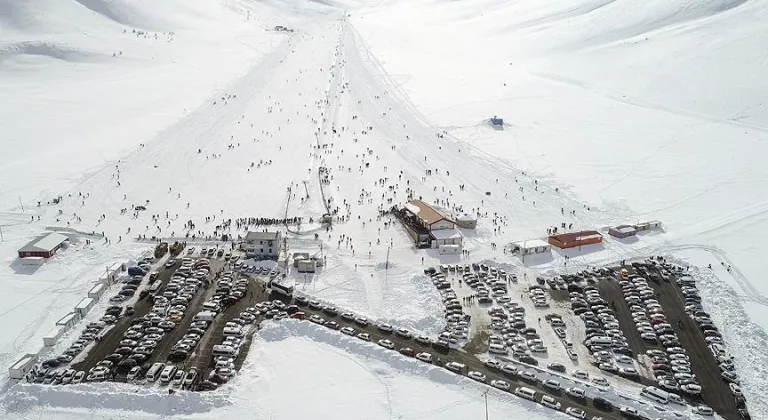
(292, 328)
(111, 396)
(53, 50)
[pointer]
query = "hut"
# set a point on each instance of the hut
(622, 231)
(572, 240)
(466, 221)
(533, 246)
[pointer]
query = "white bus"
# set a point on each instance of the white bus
(655, 394)
(276, 286)
(154, 371)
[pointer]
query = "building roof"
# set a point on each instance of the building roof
(44, 243)
(446, 234)
(262, 236)
(532, 243)
(425, 212)
(577, 236)
(624, 228)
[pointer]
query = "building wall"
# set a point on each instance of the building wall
(572, 244)
(442, 224)
(36, 254)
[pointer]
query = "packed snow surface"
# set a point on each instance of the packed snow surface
(615, 112)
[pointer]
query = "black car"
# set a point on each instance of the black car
(127, 292)
(602, 404)
(744, 414)
(126, 365)
(144, 293)
(207, 386)
(177, 355)
(115, 357)
(51, 363)
(138, 357)
(529, 360)
(114, 310)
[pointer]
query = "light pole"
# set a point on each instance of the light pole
(485, 395)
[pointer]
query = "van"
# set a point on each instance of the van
(211, 307)
(497, 349)
(167, 374)
(154, 371)
(676, 399)
(655, 394)
(237, 332)
(206, 316)
(525, 392)
(599, 341)
(222, 350)
(155, 286)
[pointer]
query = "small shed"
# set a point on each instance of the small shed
(306, 266)
(622, 231)
(22, 366)
(84, 306)
(533, 246)
(43, 246)
(572, 240)
(96, 291)
(497, 123)
(449, 249)
(446, 237)
(654, 224)
(53, 335)
(466, 221)
(69, 320)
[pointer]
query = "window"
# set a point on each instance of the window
(270, 250)
(261, 242)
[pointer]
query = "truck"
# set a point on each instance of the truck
(53, 335)
(84, 306)
(22, 366)
(206, 316)
(96, 291)
(136, 271)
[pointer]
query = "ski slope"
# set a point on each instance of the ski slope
(201, 112)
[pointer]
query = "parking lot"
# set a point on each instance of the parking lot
(670, 334)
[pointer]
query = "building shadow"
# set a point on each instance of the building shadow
(578, 251)
(24, 269)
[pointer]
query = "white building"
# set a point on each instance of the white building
(533, 246)
(446, 237)
(262, 244)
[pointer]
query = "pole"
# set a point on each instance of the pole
(22, 204)
(485, 394)
(1, 235)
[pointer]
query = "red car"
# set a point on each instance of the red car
(297, 315)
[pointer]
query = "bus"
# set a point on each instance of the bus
(655, 394)
(277, 287)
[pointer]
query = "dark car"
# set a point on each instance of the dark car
(126, 365)
(207, 386)
(529, 360)
(144, 293)
(51, 363)
(138, 357)
(115, 357)
(114, 310)
(127, 292)
(602, 404)
(177, 355)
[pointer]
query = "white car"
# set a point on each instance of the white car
(600, 381)
(735, 389)
(703, 410)
(402, 332)
(575, 392)
(550, 402)
(576, 412)
(387, 344)
(364, 336)
(499, 384)
(476, 376)
(385, 328)
(551, 384)
(317, 319)
(580, 374)
(348, 331)
(424, 357)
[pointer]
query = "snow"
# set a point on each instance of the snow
(616, 111)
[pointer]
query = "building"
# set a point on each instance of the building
(655, 224)
(428, 217)
(446, 237)
(263, 244)
(571, 240)
(44, 246)
(533, 246)
(622, 231)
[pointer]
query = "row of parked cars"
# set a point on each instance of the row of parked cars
(511, 334)
(714, 339)
(670, 364)
(603, 336)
